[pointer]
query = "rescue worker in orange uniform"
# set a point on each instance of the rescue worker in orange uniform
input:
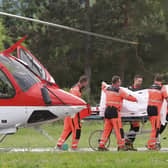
(73, 125)
(114, 100)
(157, 93)
(134, 125)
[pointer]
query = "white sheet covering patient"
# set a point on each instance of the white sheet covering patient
(131, 109)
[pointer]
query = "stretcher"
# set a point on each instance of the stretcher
(131, 112)
(95, 136)
(95, 115)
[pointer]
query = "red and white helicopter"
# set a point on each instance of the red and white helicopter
(29, 95)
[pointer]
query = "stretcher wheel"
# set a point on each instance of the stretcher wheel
(94, 139)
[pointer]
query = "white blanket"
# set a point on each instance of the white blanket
(132, 109)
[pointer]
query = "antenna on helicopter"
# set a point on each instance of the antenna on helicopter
(70, 28)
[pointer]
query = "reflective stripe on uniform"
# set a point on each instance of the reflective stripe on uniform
(153, 90)
(62, 140)
(152, 143)
(120, 145)
(110, 102)
(155, 101)
(121, 142)
(115, 93)
(102, 142)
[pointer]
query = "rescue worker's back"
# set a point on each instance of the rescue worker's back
(114, 100)
(157, 93)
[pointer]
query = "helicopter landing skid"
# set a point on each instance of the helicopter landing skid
(3, 137)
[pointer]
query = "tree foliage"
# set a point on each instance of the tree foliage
(67, 55)
(4, 39)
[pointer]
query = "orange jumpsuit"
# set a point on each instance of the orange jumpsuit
(72, 125)
(114, 100)
(157, 93)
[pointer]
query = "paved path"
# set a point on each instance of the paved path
(39, 150)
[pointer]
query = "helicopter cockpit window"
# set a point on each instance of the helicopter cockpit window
(6, 88)
(32, 63)
(25, 78)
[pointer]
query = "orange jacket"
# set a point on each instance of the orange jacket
(157, 93)
(115, 96)
(76, 91)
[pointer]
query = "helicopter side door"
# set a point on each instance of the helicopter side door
(11, 116)
(7, 90)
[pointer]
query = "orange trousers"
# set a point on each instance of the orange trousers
(108, 127)
(155, 123)
(71, 125)
(154, 117)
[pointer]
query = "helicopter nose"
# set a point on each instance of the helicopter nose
(70, 104)
(72, 100)
(61, 97)
(77, 104)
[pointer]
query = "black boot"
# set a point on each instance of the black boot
(158, 146)
(103, 149)
(122, 149)
(130, 147)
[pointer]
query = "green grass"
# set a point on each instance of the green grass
(84, 160)
(27, 137)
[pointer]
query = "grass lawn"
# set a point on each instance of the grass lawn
(84, 160)
(28, 137)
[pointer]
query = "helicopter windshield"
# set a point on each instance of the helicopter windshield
(32, 63)
(25, 78)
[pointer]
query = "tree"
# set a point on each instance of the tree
(4, 39)
(67, 55)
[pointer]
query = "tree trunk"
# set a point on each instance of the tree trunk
(87, 56)
(123, 54)
(122, 65)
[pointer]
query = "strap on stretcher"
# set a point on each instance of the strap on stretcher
(124, 119)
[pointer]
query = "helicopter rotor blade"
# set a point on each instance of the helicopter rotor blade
(70, 28)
